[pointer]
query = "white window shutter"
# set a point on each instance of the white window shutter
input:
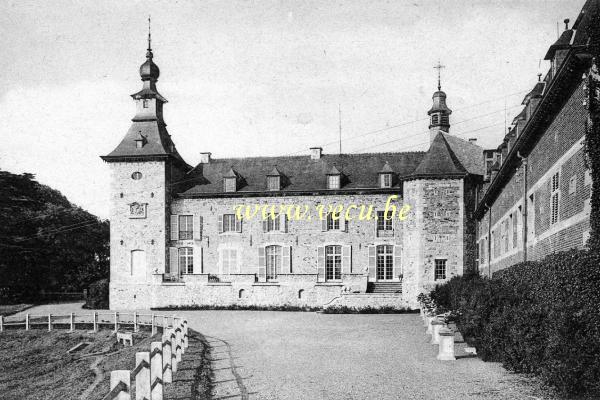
(343, 223)
(198, 268)
(321, 264)
(286, 260)
(283, 222)
(173, 261)
(262, 265)
(346, 259)
(372, 262)
(376, 224)
(220, 223)
(174, 227)
(397, 261)
(196, 227)
(265, 225)
(324, 223)
(238, 224)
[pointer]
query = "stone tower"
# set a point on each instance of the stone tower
(143, 167)
(439, 114)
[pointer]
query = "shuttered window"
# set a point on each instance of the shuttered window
(186, 260)
(229, 223)
(333, 262)
(273, 259)
(383, 223)
(186, 227)
(385, 262)
(555, 198)
(333, 224)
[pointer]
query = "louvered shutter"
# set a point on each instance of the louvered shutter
(173, 261)
(321, 264)
(220, 223)
(372, 262)
(265, 225)
(198, 267)
(343, 223)
(397, 261)
(238, 224)
(197, 227)
(324, 223)
(262, 265)
(286, 260)
(376, 224)
(346, 259)
(283, 222)
(174, 227)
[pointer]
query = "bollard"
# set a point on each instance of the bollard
(178, 344)
(174, 360)
(95, 321)
(446, 350)
(26, 322)
(156, 371)
(72, 323)
(135, 321)
(120, 381)
(166, 359)
(116, 321)
(142, 376)
(49, 322)
(436, 325)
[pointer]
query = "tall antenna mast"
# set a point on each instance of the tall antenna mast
(340, 125)
(149, 34)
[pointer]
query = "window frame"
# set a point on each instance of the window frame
(228, 219)
(185, 260)
(440, 271)
(385, 180)
(229, 185)
(333, 262)
(187, 234)
(384, 253)
(273, 261)
(273, 183)
(334, 181)
(273, 224)
(555, 198)
(331, 223)
(383, 224)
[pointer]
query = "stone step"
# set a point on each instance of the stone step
(384, 287)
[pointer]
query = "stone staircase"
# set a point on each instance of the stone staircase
(384, 287)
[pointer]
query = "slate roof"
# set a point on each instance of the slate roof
(439, 161)
(447, 157)
(361, 171)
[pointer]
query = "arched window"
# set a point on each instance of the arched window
(385, 262)
(300, 293)
(241, 294)
(333, 262)
(273, 255)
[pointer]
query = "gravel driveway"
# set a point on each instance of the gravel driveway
(301, 355)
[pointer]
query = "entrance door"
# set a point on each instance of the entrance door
(385, 262)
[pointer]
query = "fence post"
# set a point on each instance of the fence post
(135, 324)
(1, 323)
(152, 319)
(142, 377)
(166, 358)
(72, 322)
(123, 378)
(178, 346)
(49, 322)
(116, 321)
(156, 371)
(95, 321)
(185, 334)
(173, 340)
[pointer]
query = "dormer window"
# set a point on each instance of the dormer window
(273, 182)
(140, 141)
(229, 184)
(145, 103)
(333, 181)
(385, 180)
(274, 179)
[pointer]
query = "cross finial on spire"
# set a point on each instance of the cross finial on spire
(149, 35)
(439, 67)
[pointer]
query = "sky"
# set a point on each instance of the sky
(259, 78)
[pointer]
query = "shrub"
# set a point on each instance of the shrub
(97, 295)
(538, 317)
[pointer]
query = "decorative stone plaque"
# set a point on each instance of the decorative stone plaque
(137, 210)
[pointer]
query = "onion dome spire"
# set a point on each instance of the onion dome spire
(148, 70)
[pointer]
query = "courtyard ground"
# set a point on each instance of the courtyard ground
(307, 355)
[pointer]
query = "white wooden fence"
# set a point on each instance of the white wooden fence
(153, 369)
(96, 320)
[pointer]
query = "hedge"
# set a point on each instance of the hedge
(97, 295)
(536, 317)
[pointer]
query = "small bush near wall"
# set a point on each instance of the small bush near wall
(97, 295)
(539, 317)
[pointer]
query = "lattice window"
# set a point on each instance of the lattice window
(333, 262)
(555, 199)
(440, 269)
(186, 260)
(186, 227)
(383, 223)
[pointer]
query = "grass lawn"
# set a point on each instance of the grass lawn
(35, 364)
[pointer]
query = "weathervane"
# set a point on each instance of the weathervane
(149, 34)
(439, 67)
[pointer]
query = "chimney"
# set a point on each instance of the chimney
(473, 140)
(205, 158)
(315, 153)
